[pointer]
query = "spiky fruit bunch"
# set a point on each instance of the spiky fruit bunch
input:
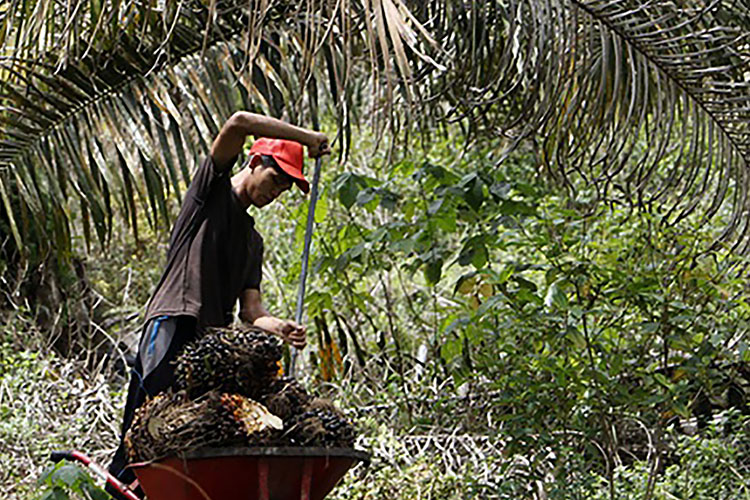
(285, 397)
(220, 378)
(236, 361)
(256, 423)
(171, 423)
(320, 424)
(165, 423)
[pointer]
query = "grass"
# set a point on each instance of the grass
(49, 403)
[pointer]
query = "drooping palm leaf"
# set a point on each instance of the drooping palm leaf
(112, 103)
(114, 119)
(642, 101)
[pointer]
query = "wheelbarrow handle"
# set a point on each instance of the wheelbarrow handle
(57, 456)
(77, 456)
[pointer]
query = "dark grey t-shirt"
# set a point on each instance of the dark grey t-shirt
(214, 253)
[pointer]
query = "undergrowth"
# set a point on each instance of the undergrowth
(48, 403)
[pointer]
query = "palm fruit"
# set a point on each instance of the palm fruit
(250, 415)
(229, 394)
(285, 397)
(235, 361)
(320, 424)
(259, 426)
(170, 424)
(163, 424)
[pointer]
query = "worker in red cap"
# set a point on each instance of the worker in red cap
(215, 253)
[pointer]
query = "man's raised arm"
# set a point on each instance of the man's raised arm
(228, 144)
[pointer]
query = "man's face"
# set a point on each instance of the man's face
(267, 183)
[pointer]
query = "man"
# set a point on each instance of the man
(215, 254)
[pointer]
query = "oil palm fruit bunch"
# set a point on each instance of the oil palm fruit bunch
(171, 423)
(319, 424)
(258, 426)
(164, 424)
(233, 360)
(286, 397)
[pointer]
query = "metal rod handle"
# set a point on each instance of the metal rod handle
(306, 256)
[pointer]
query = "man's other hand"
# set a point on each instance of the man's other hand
(290, 332)
(318, 145)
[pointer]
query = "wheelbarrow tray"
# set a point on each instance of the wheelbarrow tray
(273, 473)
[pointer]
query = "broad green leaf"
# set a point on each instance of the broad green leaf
(661, 379)
(680, 409)
(46, 474)
(321, 210)
(500, 190)
(366, 196)
(378, 235)
(525, 189)
(435, 205)
(511, 207)
(388, 199)
(451, 349)
(446, 220)
(348, 188)
(318, 302)
(576, 338)
(526, 295)
(649, 327)
(408, 210)
(433, 270)
(490, 304)
(474, 194)
(745, 355)
(504, 275)
(474, 252)
(555, 296)
(525, 284)
(55, 493)
(468, 180)
(451, 322)
(68, 474)
(93, 492)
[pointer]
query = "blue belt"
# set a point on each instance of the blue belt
(155, 333)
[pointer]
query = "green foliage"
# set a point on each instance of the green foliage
(711, 466)
(125, 275)
(715, 464)
(65, 480)
(467, 298)
(396, 474)
(571, 317)
(48, 403)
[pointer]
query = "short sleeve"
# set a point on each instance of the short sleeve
(205, 178)
(255, 273)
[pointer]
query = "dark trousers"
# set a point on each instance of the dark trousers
(159, 378)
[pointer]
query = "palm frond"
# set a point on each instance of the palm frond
(112, 105)
(645, 102)
(109, 107)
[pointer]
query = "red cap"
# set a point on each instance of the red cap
(289, 156)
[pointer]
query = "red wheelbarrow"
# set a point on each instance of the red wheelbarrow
(293, 473)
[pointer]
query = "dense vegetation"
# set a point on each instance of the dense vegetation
(528, 274)
(491, 337)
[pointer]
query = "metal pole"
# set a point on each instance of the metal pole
(306, 256)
